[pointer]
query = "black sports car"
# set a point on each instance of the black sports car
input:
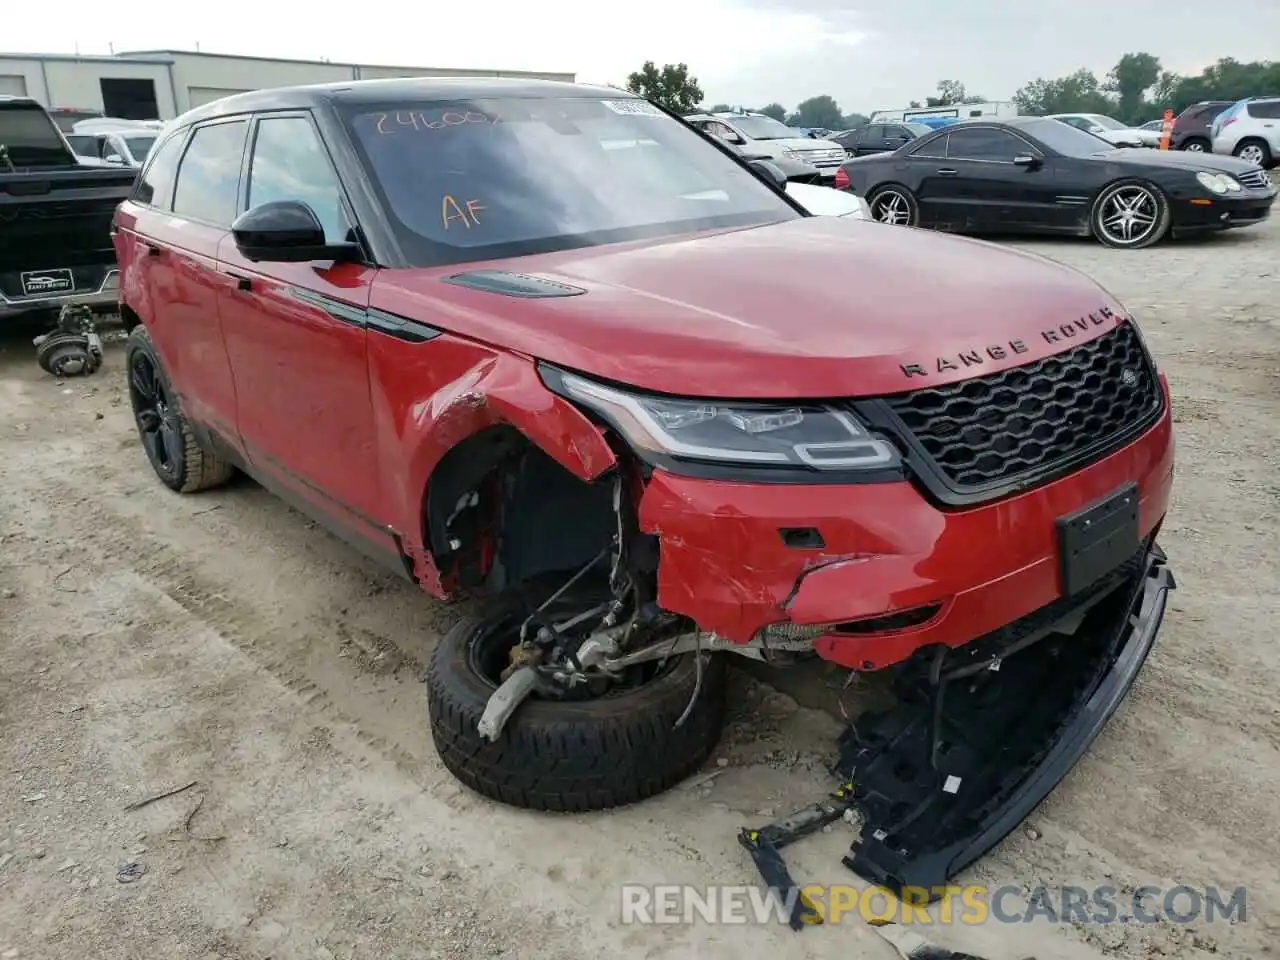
(1036, 175)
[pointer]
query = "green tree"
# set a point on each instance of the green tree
(1078, 92)
(852, 121)
(775, 110)
(1228, 79)
(1130, 79)
(672, 86)
(820, 111)
(951, 92)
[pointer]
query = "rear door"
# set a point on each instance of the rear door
(1266, 116)
(180, 246)
(895, 135)
(295, 334)
(871, 139)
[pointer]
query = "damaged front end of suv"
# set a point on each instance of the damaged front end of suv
(990, 537)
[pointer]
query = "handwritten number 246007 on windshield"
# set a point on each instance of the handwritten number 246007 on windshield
(404, 120)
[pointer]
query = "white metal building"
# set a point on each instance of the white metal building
(161, 84)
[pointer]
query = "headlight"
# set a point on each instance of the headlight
(1219, 183)
(748, 434)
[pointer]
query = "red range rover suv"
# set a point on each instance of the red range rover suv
(546, 342)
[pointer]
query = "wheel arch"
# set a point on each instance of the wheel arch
(499, 459)
(129, 318)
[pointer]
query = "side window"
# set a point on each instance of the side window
(1265, 110)
(1079, 123)
(984, 144)
(290, 163)
(155, 186)
(209, 175)
(935, 149)
(876, 131)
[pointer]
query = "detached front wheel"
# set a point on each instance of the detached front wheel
(616, 747)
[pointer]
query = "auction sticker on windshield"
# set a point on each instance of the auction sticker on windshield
(633, 108)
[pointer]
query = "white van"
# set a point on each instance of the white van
(991, 110)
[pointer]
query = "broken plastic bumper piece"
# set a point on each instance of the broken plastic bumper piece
(979, 736)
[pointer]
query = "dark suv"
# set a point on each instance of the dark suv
(1191, 128)
(879, 137)
(548, 343)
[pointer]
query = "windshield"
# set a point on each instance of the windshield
(764, 128)
(1105, 122)
(483, 179)
(140, 146)
(1065, 139)
(30, 139)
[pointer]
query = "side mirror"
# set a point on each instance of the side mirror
(285, 231)
(1026, 160)
(771, 172)
(114, 158)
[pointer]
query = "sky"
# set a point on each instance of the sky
(750, 52)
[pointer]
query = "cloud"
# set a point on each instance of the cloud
(752, 52)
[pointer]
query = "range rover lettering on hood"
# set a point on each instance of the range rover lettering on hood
(1000, 351)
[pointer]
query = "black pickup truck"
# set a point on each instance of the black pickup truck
(55, 217)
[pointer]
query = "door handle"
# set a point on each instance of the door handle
(947, 172)
(242, 282)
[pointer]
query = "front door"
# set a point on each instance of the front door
(296, 338)
(987, 190)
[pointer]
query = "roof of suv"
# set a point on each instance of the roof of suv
(406, 88)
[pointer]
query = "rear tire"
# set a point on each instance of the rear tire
(1256, 151)
(894, 204)
(178, 460)
(1197, 145)
(569, 756)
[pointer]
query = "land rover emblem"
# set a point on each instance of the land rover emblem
(1128, 377)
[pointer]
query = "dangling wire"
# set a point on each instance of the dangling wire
(697, 683)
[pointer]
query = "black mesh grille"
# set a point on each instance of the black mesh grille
(999, 428)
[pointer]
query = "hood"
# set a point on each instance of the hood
(800, 144)
(1120, 136)
(828, 201)
(1183, 160)
(807, 308)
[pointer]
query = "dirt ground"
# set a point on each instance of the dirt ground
(149, 640)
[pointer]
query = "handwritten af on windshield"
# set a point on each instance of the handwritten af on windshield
(407, 121)
(465, 213)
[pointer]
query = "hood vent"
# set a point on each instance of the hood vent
(513, 284)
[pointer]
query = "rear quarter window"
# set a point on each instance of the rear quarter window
(155, 186)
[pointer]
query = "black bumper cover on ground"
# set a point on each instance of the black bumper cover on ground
(940, 779)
